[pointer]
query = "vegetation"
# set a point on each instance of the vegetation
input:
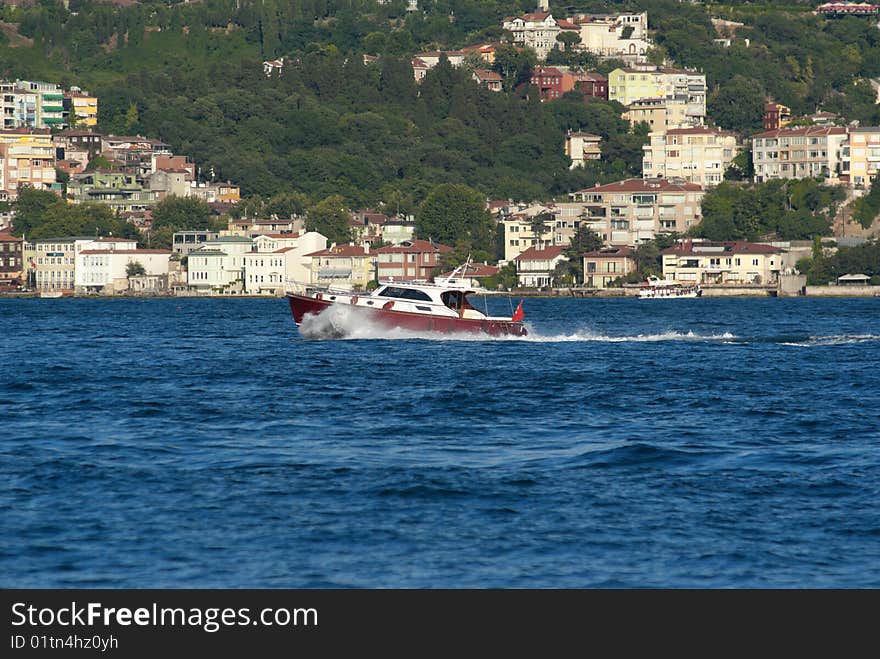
(43, 214)
(823, 269)
(866, 209)
(784, 209)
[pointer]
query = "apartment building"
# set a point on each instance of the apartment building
(582, 147)
(697, 155)
(410, 260)
(660, 113)
(802, 152)
(631, 84)
(50, 263)
(635, 210)
(80, 109)
(860, 156)
(605, 266)
(11, 260)
(348, 267)
(27, 157)
(732, 262)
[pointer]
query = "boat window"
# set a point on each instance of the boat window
(404, 293)
(423, 308)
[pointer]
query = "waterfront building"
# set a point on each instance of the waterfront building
(11, 260)
(183, 242)
(106, 270)
(802, 152)
(731, 262)
(605, 266)
(635, 210)
(410, 260)
(697, 155)
(279, 260)
(534, 267)
(218, 266)
(347, 267)
(50, 263)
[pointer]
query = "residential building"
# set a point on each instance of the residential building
(106, 270)
(619, 36)
(133, 154)
(839, 9)
(582, 147)
(32, 104)
(519, 232)
(551, 82)
(860, 156)
(635, 210)
(11, 260)
(605, 266)
(631, 84)
(78, 146)
(537, 31)
(803, 152)
(591, 84)
(27, 157)
(698, 155)
(218, 265)
(473, 274)
(534, 267)
(119, 190)
(348, 267)
(489, 79)
(80, 109)
(399, 230)
(50, 263)
(660, 113)
(215, 193)
(732, 262)
(423, 62)
(410, 260)
(776, 116)
(183, 242)
(279, 260)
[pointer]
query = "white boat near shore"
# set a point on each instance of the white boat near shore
(50, 294)
(655, 288)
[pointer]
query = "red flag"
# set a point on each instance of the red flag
(518, 314)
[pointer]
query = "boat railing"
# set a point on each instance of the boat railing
(303, 287)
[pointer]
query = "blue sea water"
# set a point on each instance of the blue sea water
(703, 443)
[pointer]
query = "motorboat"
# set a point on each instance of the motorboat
(656, 288)
(410, 305)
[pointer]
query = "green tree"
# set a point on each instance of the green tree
(454, 212)
(134, 269)
(330, 218)
(541, 224)
(182, 213)
(568, 39)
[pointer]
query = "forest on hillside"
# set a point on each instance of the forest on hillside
(191, 74)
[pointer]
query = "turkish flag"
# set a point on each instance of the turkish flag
(518, 314)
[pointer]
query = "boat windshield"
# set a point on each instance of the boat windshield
(456, 300)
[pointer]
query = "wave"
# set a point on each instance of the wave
(832, 340)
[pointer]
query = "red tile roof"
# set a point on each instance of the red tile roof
(126, 251)
(411, 246)
(279, 236)
(689, 247)
(477, 270)
(341, 251)
(535, 254)
(646, 185)
(803, 131)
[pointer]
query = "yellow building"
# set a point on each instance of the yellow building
(81, 108)
(861, 156)
(732, 262)
(348, 267)
(27, 157)
(631, 84)
(659, 113)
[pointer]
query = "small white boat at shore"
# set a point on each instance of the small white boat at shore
(50, 294)
(656, 288)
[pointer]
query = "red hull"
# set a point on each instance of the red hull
(301, 305)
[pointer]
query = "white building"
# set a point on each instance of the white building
(280, 260)
(534, 267)
(623, 36)
(219, 265)
(537, 31)
(802, 152)
(582, 147)
(106, 269)
(697, 155)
